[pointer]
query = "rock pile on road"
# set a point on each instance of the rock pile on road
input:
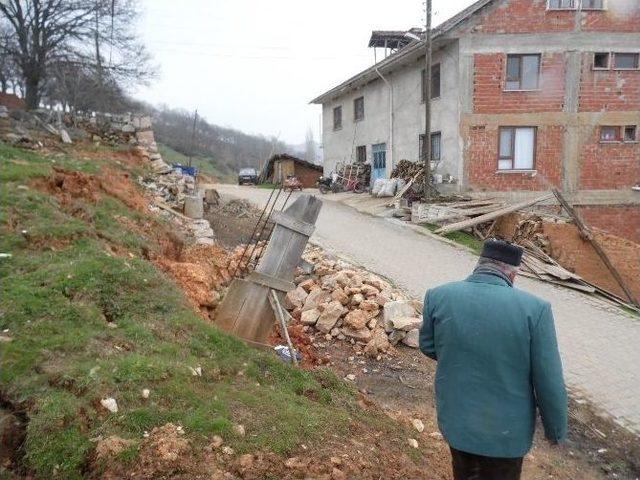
(347, 303)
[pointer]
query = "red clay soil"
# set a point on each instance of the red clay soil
(68, 186)
(578, 255)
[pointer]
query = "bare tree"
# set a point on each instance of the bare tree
(95, 37)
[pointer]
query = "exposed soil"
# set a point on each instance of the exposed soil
(576, 254)
(233, 225)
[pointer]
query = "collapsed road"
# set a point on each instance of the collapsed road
(598, 342)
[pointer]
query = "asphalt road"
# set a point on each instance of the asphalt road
(599, 344)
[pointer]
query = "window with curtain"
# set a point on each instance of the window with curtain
(517, 146)
(523, 72)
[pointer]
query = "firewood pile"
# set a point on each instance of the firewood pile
(407, 170)
(341, 302)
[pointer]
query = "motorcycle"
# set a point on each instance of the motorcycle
(326, 184)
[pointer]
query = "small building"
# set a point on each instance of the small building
(11, 101)
(280, 166)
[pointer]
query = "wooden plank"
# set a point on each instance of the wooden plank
(246, 310)
(586, 232)
(406, 188)
(271, 282)
(492, 215)
(278, 310)
(458, 213)
(292, 224)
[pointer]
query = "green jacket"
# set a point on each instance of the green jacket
(497, 360)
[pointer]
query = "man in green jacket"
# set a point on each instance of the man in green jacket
(497, 360)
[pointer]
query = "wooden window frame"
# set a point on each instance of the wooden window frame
(572, 8)
(635, 134)
(423, 75)
(513, 128)
(335, 126)
(521, 57)
(593, 9)
(613, 61)
(619, 133)
(421, 146)
(356, 118)
(609, 57)
(360, 148)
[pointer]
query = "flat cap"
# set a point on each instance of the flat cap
(502, 251)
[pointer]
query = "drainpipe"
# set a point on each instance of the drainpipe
(375, 66)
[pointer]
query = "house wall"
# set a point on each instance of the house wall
(568, 110)
(308, 176)
(408, 118)
(574, 101)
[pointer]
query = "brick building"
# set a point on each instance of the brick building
(526, 94)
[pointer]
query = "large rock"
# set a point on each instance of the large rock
(379, 343)
(412, 339)
(329, 317)
(308, 285)
(377, 283)
(361, 335)
(310, 317)
(315, 298)
(339, 295)
(382, 298)
(369, 291)
(295, 298)
(357, 299)
(356, 319)
(396, 309)
(395, 336)
(406, 323)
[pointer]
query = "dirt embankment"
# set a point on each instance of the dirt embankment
(576, 254)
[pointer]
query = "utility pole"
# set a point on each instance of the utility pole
(193, 136)
(426, 147)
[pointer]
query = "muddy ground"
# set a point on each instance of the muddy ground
(402, 385)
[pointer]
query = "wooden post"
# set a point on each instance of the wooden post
(586, 233)
(246, 310)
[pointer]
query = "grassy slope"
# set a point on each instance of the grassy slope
(206, 165)
(58, 290)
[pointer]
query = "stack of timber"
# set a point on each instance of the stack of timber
(450, 212)
(407, 170)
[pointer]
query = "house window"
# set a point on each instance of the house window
(630, 133)
(358, 109)
(592, 4)
(610, 134)
(626, 61)
(523, 72)
(361, 153)
(436, 142)
(517, 148)
(601, 61)
(562, 4)
(337, 118)
(435, 82)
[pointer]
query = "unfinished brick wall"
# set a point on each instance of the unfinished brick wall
(489, 95)
(524, 16)
(610, 90)
(608, 165)
(621, 220)
(532, 16)
(482, 167)
(619, 17)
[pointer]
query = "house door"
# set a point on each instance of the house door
(379, 169)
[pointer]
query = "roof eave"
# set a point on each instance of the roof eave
(440, 32)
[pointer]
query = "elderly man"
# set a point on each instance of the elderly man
(497, 360)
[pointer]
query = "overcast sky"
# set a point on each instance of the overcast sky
(255, 64)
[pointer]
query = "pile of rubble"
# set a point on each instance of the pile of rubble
(347, 303)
